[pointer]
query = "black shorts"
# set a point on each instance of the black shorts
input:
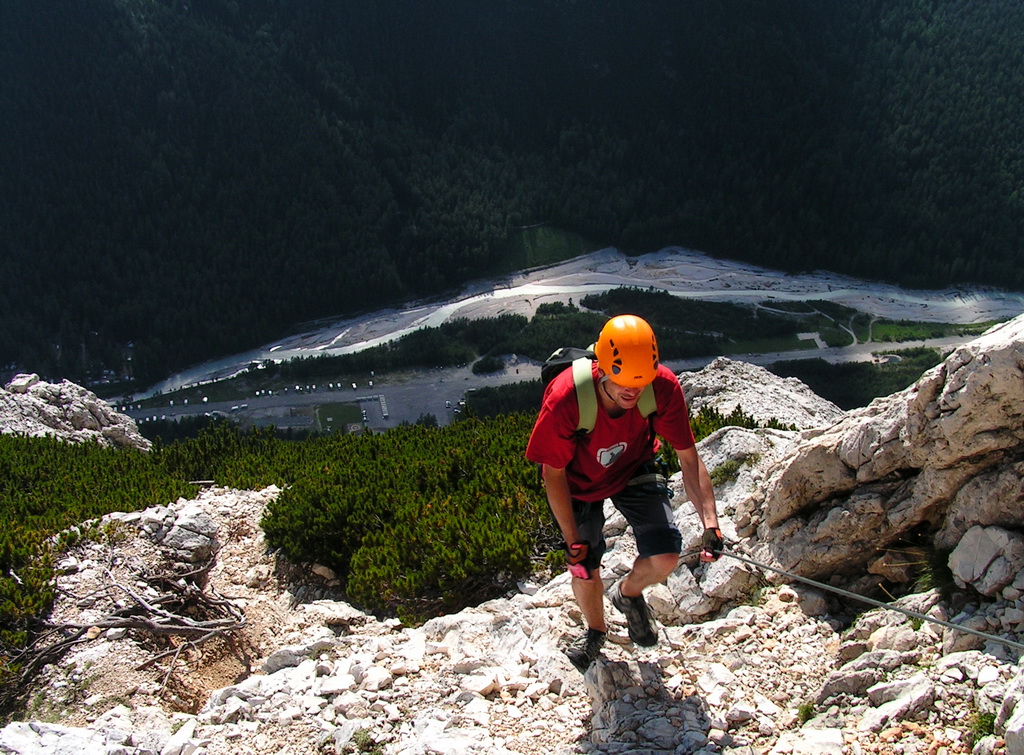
(644, 502)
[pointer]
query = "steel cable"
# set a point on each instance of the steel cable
(848, 594)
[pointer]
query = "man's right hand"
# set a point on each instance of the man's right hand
(580, 561)
(711, 545)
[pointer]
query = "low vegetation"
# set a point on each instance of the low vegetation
(980, 725)
(725, 472)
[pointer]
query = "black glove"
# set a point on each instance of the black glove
(582, 561)
(712, 545)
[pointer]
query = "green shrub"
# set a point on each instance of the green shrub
(729, 469)
(418, 521)
(805, 712)
(725, 472)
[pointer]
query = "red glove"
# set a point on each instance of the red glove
(581, 562)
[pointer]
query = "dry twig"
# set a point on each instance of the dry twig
(178, 608)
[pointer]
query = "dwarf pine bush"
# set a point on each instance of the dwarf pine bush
(420, 520)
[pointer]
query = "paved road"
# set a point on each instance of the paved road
(411, 395)
(407, 397)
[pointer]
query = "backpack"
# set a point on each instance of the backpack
(581, 361)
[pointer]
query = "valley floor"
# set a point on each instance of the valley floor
(679, 271)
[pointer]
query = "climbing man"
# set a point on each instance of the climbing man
(585, 460)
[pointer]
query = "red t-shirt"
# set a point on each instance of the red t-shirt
(600, 463)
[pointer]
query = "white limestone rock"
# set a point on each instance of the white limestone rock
(1010, 716)
(853, 487)
(192, 533)
(994, 497)
(727, 385)
(35, 738)
(65, 410)
(907, 700)
(988, 559)
(810, 742)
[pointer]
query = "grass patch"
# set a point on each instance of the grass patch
(335, 418)
(861, 326)
(835, 336)
(935, 573)
(980, 725)
(805, 712)
(901, 331)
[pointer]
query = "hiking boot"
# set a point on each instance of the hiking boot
(585, 650)
(642, 630)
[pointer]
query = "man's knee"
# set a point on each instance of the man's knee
(664, 563)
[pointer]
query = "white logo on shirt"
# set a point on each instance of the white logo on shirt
(608, 456)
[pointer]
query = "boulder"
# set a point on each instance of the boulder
(1010, 719)
(988, 559)
(726, 385)
(995, 497)
(192, 534)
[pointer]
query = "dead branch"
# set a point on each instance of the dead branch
(176, 607)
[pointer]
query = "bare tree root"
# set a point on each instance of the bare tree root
(171, 605)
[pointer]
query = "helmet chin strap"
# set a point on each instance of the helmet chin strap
(618, 409)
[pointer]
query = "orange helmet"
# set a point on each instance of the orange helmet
(627, 351)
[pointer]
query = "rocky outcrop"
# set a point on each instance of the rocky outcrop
(744, 666)
(29, 406)
(938, 458)
(727, 384)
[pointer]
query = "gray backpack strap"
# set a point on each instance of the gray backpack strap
(586, 395)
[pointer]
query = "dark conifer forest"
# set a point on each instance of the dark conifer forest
(181, 179)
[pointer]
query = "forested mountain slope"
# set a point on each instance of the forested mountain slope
(192, 178)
